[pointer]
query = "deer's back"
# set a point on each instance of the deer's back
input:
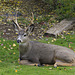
(49, 49)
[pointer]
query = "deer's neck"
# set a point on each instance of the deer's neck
(24, 47)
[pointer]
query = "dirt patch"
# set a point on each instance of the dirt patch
(7, 31)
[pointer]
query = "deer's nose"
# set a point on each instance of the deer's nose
(18, 41)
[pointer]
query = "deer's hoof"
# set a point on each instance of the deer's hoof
(55, 65)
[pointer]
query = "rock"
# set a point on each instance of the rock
(64, 25)
(50, 68)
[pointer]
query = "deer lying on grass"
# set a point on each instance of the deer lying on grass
(32, 52)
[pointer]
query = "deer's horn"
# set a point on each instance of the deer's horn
(32, 21)
(17, 24)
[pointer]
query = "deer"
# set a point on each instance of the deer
(34, 52)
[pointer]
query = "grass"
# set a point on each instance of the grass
(9, 56)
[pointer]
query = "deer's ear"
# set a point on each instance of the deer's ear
(30, 28)
(15, 26)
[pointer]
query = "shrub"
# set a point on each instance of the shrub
(62, 8)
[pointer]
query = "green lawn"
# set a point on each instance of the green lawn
(9, 56)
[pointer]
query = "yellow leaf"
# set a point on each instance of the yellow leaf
(3, 40)
(14, 53)
(18, 60)
(68, 33)
(15, 70)
(52, 41)
(4, 47)
(18, 2)
(64, 31)
(16, 33)
(14, 45)
(0, 61)
(48, 42)
(0, 19)
(36, 18)
(34, 39)
(42, 36)
(70, 68)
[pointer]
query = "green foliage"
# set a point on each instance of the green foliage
(9, 6)
(65, 9)
(62, 8)
(43, 18)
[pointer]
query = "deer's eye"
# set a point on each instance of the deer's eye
(24, 35)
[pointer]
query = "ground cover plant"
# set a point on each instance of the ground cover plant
(9, 58)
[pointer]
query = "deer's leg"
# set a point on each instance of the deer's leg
(64, 58)
(61, 63)
(26, 62)
(32, 60)
(20, 56)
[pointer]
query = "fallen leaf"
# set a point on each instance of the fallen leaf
(14, 45)
(14, 53)
(0, 61)
(15, 70)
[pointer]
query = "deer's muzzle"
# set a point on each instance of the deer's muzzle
(18, 41)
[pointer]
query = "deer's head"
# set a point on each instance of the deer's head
(22, 33)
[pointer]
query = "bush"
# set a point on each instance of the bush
(65, 9)
(62, 8)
